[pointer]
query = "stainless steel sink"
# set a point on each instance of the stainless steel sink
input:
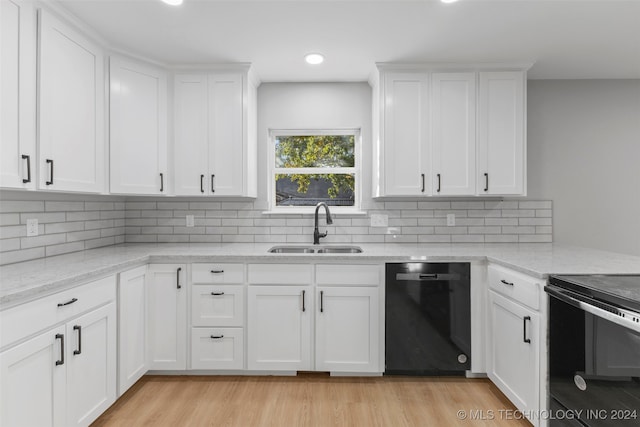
(340, 250)
(285, 249)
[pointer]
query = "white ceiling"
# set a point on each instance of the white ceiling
(563, 38)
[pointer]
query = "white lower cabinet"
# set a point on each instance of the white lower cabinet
(347, 333)
(167, 316)
(132, 326)
(217, 348)
(66, 375)
(279, 327)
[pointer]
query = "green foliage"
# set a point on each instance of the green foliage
(320, 151)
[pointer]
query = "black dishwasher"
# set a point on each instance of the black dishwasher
(428, 319)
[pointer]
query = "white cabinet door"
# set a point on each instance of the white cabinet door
(227, 151)
(453, 126)
(132, 325)
(514, 348)
(71, 109)
(33, 386)
(138, 128)
(406, 118)
(501, 134)
(167, 316)
(347, 335)
(91, 370)
(191, 145)
(17, 94)
(279, 328)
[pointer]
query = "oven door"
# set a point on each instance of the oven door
(594, 363)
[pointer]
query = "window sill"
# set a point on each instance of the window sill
(335, 211)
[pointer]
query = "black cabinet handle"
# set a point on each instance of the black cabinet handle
(217, 293)
(202, 183)
(217, 271)
(213, 190)
(178, 285)
(486, 182)
(524, 327)
(216, 337)
(50, 182)
(28, 159)
(303, 306)
(422, 176)
(506, 283)
(61, 338)
(79, 329)
(439, 180)
(71, 301)
(161, 182)
(321, 301)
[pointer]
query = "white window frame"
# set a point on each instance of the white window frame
(356, 170)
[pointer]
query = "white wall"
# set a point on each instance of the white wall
(313, 106)
(584, 154)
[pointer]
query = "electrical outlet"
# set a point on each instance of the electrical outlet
(379, 220)
(190, 221)
(32, 227)
(451, 220)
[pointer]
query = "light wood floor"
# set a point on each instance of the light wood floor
(308, 400)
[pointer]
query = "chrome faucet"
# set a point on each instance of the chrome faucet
(316, 233)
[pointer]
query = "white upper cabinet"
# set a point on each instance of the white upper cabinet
(215, 134)
(453, 127)
(405, 129)
(17, 94)
(501, 136)
(138, 128)
(71, 102)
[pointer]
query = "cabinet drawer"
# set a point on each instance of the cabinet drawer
(217, 273)
(280, 274)
(216, 305)
(217, 348)
(340, 274)
(517, 286)
(24, 320)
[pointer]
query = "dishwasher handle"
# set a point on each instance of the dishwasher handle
(425, 277)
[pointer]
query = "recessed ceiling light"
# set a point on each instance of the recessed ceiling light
(173, 2)
(448, 1)
(314, 58)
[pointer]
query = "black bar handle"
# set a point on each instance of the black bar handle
(486, 182)
(524, 327)
(178, 285)
(50, 182)
(321, 301)
(506, 283)
(303, 306)
(217, 271)
(202, 183)
(428, 276)
(161, 182)
(217, 293)
(71, 301)
(422, 176)
(61, 338)
(213, 190)
(439, 180)
(28, 159)
(79, 329)
(216, 337)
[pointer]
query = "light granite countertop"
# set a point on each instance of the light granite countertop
(26, 281)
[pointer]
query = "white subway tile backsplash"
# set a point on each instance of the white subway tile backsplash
(19, 206)
(9, 219)
(51, 206)
(42, 240)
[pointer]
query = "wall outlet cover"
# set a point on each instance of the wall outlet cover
(379, 220)
(190, 221)
(32, 227)
(451, 220)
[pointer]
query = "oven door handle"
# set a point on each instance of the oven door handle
(563, 295)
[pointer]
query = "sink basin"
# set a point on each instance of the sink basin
(291, 250)
(315, 249)
(340, 250)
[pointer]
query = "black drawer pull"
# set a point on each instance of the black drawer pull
(50, 182)
(439, 182)
(216, 337)
(217, 271)
(71, 301)
(524, 326)
(506, 283)
(202, 183)
(486, 182)
(161, 182)
(303, 306)
(61, 338)
(79, 329)
(217, 293)
(321, 301)
(213, 190)
(28, 159)
(422, 176)
(178, 285)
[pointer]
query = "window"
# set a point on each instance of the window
(308, 167)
